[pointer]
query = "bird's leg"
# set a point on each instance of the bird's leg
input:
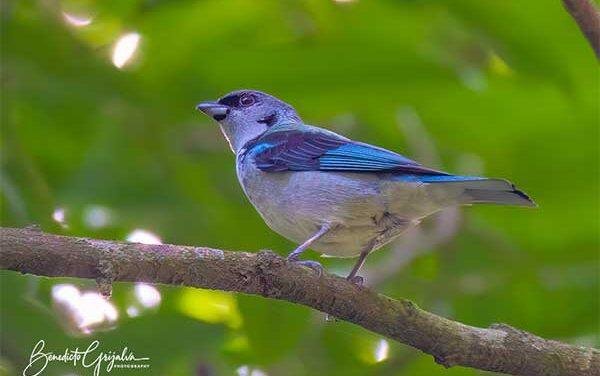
(352, 277)
(295, 254)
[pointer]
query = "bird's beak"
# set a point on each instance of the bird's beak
(213, 109)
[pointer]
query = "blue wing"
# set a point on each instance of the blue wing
(302, 150)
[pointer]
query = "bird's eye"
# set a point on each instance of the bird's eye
(247, 100)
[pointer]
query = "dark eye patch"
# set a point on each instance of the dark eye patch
(269, 120)
(232, 100)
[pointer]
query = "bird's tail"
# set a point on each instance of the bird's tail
(475, 190)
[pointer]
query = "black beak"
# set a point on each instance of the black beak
(213, 109)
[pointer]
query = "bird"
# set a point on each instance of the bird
(326, 192)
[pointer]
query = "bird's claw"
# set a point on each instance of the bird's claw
(314, 265)
(357, 280)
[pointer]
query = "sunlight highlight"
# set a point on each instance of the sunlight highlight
(382, 350)
(143, 236)
(94, 309)
(59, 216)
(247, 371)
(147, 295)
(96, 216)
(86, 311)
(132, 311)
(125, 49)
(77, 21)
(65, 293)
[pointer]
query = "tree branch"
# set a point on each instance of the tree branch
(498, 348)
(587, 16)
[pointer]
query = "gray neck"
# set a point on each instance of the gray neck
(247, 134)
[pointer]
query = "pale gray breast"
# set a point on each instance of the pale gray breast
(296, 204)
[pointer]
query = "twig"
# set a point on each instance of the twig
(498, 348)
(587, 16)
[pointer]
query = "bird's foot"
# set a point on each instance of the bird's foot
(314, 265)
(357, 280)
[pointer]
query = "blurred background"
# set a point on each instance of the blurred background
(100, 138)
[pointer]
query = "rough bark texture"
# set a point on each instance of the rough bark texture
(498, 348)
(587, 16)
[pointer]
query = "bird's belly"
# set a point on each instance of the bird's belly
(297, 204)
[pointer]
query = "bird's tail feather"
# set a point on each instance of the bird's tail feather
(512, 197)
(481, 190)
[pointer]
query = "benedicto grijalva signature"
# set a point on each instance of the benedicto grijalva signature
(86, 358)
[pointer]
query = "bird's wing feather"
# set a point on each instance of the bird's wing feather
(303, 150)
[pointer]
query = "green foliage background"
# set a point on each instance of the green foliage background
(507, 87)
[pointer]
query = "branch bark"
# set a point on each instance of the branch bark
(497, 348)
(587, 16)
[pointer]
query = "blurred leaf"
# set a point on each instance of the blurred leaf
(273, 328)
(210, 306)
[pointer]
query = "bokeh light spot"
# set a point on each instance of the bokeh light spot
(83, 312)
(96, 216)
(77, 21)
(124, 49)
(147, 295)
(382, 350)
(143, 236)
(245, 370)
(59, 215)
(133, 311)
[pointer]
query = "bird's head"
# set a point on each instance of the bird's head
(244, 115)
